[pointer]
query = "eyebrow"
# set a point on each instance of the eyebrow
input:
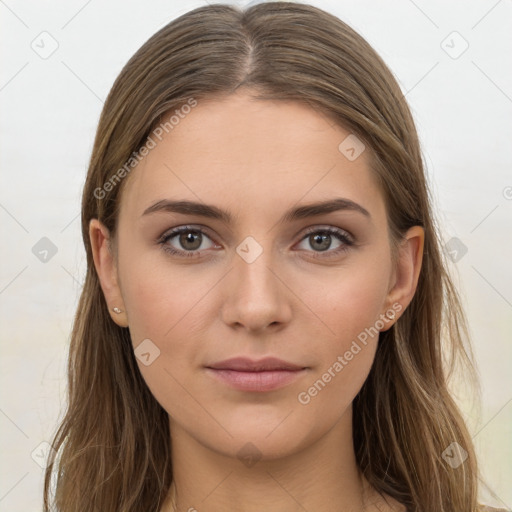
(213, 212)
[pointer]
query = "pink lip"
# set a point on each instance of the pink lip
(249, 375)
(244, 364)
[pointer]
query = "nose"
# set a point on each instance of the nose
(257, 296)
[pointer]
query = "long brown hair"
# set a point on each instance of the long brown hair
(113, 445)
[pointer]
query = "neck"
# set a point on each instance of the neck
(323, 476)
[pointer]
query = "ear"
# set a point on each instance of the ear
(105, 264)
(406, 273)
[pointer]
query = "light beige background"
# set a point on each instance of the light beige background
(462, 103)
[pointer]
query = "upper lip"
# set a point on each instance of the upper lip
(244, 364)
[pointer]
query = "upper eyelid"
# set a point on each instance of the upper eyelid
(328, 228)
(186, 227)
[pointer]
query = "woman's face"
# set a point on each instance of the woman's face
(260, 282)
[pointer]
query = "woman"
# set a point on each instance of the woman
(266, 305)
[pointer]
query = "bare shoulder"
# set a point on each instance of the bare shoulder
(487, 508)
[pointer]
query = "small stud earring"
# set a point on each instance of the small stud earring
(116, 310)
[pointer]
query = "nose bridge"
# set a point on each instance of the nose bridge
(252, 267)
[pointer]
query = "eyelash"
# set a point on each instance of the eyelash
(342, 235)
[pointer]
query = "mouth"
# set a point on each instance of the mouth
(248, 375)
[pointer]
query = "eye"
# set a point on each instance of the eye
(189, 239)
(320, 239)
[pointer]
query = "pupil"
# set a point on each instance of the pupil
(190, 237)
(323, 238)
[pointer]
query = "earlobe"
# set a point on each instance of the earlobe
(105, 265)
(407, 271)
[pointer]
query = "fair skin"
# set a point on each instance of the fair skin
(257, 159)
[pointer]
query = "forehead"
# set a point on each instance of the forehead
(252, 154)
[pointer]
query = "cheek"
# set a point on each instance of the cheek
(160, 299)
(162, 304)
(151, 302)
(349, 307)
(348, 301)
(351, 311)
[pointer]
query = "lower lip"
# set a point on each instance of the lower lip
(257, 381)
